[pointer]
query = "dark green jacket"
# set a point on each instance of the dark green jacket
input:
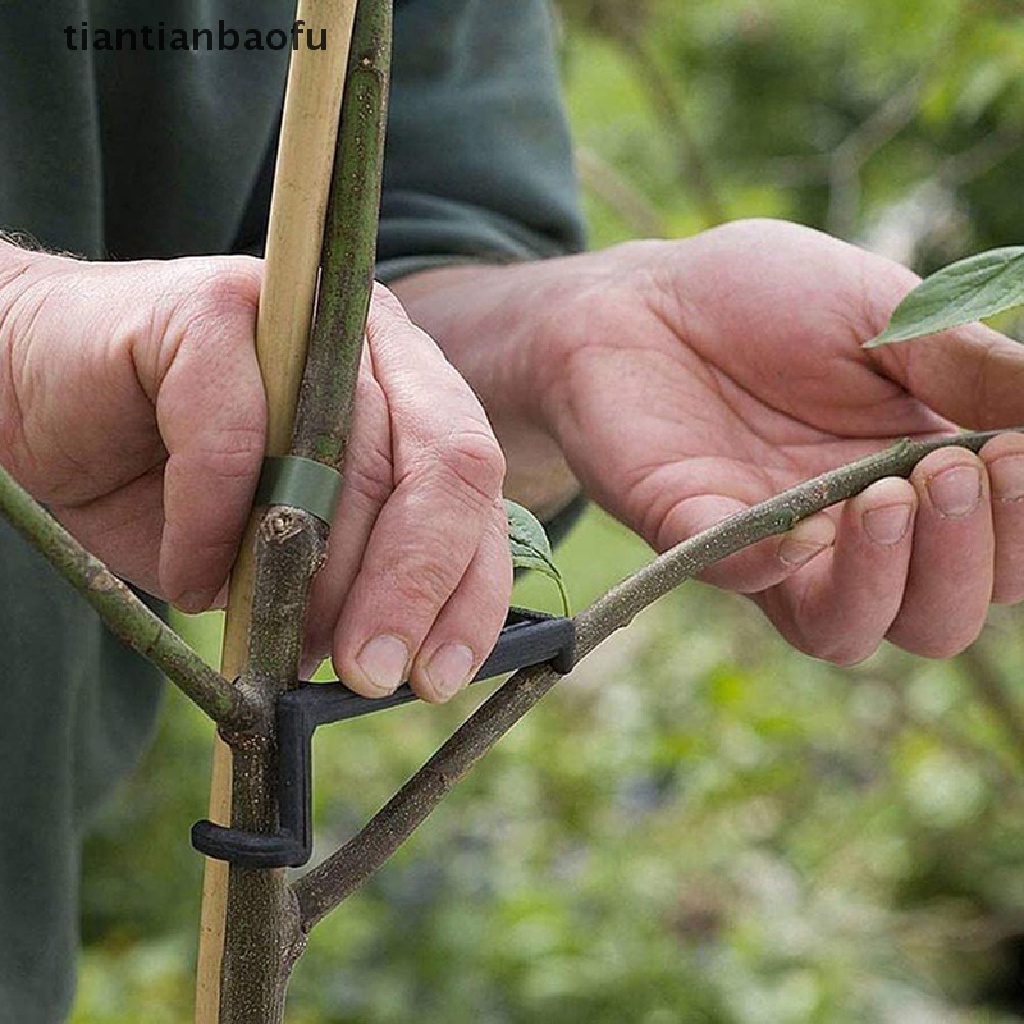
(157, 154)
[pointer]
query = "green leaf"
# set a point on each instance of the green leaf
(961, 293)
(531, 548)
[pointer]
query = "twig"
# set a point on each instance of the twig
(327, 885)
(847, 160)
(977, 160)
(770, 518)
(691, 162)
(989, 690)
(123, 612)
(929, 214)
(608, 185)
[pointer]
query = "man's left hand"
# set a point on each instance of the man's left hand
(683, 381)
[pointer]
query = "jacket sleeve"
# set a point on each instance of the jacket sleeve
(478, 162)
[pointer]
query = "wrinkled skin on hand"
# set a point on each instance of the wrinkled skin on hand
(131, 404)
(736, 366)
(677, 381)
(685, 380)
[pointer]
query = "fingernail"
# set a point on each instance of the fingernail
(806, 540)
(384, 662)
(449, 670)
(1007, 476)
(956, 491)
(887, 526)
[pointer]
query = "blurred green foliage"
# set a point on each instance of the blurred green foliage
(702, 826)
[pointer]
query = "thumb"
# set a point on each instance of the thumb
(758, 567)
(971, 375)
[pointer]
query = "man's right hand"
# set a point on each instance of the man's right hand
(131, 404)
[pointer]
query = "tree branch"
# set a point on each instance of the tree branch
(620, 195)
(323, 888)
(124, 614)
(990, 691)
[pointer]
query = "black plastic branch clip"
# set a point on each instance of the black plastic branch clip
(529, 638)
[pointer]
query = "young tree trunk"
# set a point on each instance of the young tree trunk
(302, 176)
(263, 936)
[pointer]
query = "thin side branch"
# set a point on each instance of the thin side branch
(768, 519)
(992, 693)
(691, 162)
(123, 612)
(323, 888)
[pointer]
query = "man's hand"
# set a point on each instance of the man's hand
(131, 404)
(685, 380)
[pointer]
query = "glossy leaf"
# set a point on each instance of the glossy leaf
(966, 291)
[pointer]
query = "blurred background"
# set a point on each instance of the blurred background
(703, 825)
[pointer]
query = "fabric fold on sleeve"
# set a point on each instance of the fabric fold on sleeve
(479, 161)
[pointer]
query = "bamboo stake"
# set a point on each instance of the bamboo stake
(302, 178)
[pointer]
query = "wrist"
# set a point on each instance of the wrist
(492, 324)
(16, 266)
(15, 263)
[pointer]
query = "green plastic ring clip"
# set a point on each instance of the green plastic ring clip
(300, 483)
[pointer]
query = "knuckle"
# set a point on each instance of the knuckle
(224, 280)
(368, 478)
(210, 289)
(421, 587)
(474, 462)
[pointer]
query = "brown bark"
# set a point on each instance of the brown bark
(323, 888)
(263, 938)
